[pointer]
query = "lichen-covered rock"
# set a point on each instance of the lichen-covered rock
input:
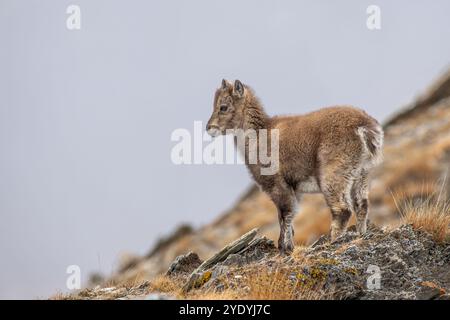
(383, 265)
(256, 250)
(399, 264)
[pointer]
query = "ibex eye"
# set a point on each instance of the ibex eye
(223, 108)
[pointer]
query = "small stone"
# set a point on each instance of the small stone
(220, 287)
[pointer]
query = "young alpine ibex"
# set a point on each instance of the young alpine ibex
(329, 151)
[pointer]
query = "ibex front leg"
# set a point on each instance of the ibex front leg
(286, 205)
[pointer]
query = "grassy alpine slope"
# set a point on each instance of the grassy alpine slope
(408, 240)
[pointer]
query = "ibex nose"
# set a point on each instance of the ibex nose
(212, 130)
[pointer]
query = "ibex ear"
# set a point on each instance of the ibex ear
(238, 89)
(225, 84)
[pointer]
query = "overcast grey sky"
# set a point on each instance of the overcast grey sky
(86, 115)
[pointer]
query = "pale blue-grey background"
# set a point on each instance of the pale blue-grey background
(86, 116)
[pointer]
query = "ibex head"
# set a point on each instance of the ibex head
(228, 108)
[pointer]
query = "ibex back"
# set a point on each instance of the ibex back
(330, 151)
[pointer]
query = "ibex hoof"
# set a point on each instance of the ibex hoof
(286, 249)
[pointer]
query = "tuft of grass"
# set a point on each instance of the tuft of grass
(431, 215)
(165, 284)
(61, 296)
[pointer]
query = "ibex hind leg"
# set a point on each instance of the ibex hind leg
(360, 197)
(336, 189)
(282, 231)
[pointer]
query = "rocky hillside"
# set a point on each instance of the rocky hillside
(412, 262)
(399, 264)
(404, 263)
(417, 157)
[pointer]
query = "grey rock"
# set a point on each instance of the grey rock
(184, 264)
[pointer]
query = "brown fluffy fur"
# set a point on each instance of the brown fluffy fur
(329, 151)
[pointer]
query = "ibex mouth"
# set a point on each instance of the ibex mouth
(213, 131)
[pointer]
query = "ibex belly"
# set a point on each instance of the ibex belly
(308, 185)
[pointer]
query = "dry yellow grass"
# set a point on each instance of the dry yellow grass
(226, 294)
(431, 215)
(263, 284)
(59, 296)
(277, 285)
(165, 284)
